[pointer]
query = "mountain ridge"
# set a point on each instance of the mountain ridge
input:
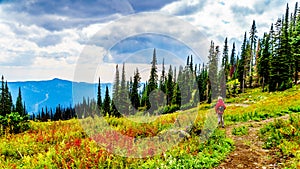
(50, 93)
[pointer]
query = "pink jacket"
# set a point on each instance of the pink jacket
(219, 103)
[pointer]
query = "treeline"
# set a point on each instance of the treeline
(13, 117)
(59, 113)
(270, 62)
(6, 103)
(161, 93)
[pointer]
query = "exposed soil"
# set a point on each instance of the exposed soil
(248, 151)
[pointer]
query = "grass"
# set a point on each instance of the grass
(262, 106)
(284, 136)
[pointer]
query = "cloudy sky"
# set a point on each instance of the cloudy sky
(42, 39)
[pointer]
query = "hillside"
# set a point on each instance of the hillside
(68, 143)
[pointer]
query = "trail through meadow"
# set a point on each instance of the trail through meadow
(248, 151)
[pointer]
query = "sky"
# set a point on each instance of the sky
(81, 40)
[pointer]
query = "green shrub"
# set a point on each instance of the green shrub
(294, 109)
(14, 123)
(170, 109)
(240, 131)
(284, 135)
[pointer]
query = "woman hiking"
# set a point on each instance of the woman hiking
(220, 108)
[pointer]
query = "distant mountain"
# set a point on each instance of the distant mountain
(50, 93)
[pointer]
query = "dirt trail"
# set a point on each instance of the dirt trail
(248, 151)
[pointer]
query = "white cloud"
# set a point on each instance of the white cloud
(29, 45)
(232, 18)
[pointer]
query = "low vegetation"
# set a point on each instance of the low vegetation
(284, 135)
(240, 131)
(63, 144)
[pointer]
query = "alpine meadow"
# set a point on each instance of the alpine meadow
(161, 114)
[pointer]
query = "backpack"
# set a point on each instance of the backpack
(221, 109)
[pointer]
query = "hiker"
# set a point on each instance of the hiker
(220, 108)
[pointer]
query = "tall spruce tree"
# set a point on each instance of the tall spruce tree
(213, 72)
(116, 93)
(296, 48)
(224, 71)
(287, 57)
(19, 104)
(264, 61)
(153, 74)
(106, 103)
(295, 16)
(116, 86)
(232, 61)
(99, 99)
(241, 66)
(135, 98)
(152, 83)
(124, 103)
(225, 64)
(253, 40)
(169, 86)
(162, 82)
(275, 65)
(191, 64)
(5, 99)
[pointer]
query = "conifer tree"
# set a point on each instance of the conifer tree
(124, 103)
(253, 40)
(213, 71)
(99, 99)
(152, 83)
(295, 16)
(116, 86)
(106, 103)
(135, 98)
(225, 64)
(295, 42)
(19, 104)
(162, 85)
(169, 86)
(224, 71)
(2, 98)
(191, 64)
(243, 64)
(232, 61)
(153, 74)
(58, 113)
(264, 61)
(5, 99)
(176, 99)
(287, 58)
(116, 94)
(275, 64)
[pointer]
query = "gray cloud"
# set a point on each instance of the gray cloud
(241, 10)
(149, 5)
(186, 8)
(58, 15)
(76, 9)
(265, 5)
(49, 40)
(19, 58)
